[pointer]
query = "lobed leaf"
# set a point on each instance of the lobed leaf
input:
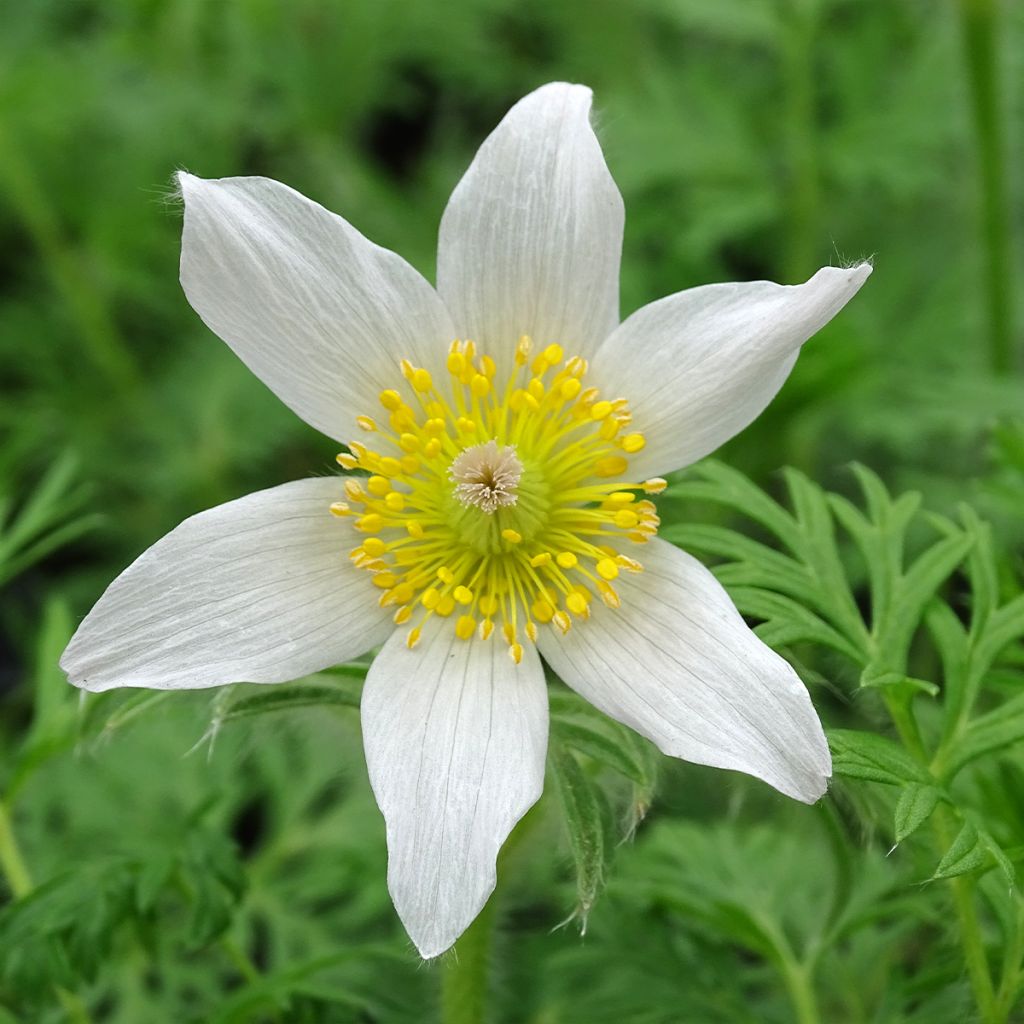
(864, 755)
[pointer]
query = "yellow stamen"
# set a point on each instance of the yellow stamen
(497, 500)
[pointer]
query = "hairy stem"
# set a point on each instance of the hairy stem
(979, 24)
(971, 942)
(465, 973)
(1013, 956)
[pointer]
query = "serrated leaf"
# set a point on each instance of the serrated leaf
(863, 755)
(913, 808)
(967, 853)
(1002, 861)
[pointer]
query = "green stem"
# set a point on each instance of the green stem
(901, 711)
(1012, 960)
(11, 861)
(465, 974)
(245, 967)
(802, 184)
(979, 24)
(797, 978)
(963, 889)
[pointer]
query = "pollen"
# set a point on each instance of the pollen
(501, 502)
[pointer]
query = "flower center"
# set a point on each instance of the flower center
(502, 501)
(487, 476)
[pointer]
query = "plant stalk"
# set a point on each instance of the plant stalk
(11, 861)
(801, 992)
(979, 26)
(963, 889)
(465, 973)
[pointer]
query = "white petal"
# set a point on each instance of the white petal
(455, 736)
(319, 313)
(677, 663)
(700, 365)
(531, 239)
(258, 590)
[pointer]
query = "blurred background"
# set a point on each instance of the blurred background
(750, 139)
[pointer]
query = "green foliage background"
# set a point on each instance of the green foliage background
(165, 876)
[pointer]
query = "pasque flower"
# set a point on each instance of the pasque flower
(509, 430)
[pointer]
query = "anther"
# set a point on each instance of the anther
(610, 465)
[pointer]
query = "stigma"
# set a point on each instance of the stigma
(505, 505)
(487, 476)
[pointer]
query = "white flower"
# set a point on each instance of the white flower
(501, 503)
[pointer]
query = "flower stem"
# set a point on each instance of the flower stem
(963, 887)
(465, 972)
(979, 28)
(802, 184)
(11, 861)
(1013, 955)
(801, 992)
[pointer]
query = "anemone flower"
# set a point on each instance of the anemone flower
(504, 432)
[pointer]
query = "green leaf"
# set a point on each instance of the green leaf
(785, 573)
(967, 853)
(288, 698)
(787, 621)
(995, 730)
(595, 743)
(913, 808)
(917, 587)
(974, 849)
(724, 485)
(585, 821)
(872, 677)
(863, 755)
